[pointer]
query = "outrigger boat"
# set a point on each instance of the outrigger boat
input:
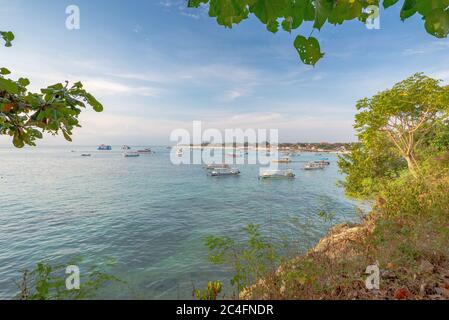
(314, 166)
(283, 160)
(277, 174)
(145, 151)
(131, 155)
(323, 162)
(218, 172)
(216, 166)
(104, 147)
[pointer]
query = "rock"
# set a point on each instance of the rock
(443, 292)
(426, 267)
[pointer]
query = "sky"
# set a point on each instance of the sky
(157, 65)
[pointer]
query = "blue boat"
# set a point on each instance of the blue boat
(104, 148)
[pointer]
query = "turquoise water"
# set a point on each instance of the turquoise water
(147, 214)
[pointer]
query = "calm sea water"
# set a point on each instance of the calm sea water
(148, 215)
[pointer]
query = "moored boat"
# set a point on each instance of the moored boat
(217, 166)
(323, 162)
(277, 174)
(145, 151)
(314, 166)
(283, 160)
(104, 147)
(218, 172)
(131, 155)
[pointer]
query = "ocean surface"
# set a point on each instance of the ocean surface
(149, 216)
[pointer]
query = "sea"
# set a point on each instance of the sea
(145, 220)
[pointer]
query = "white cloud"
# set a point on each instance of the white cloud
(232, 95)
(106, 87)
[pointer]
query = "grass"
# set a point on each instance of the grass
(406, 235)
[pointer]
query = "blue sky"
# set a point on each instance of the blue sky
(157, 66)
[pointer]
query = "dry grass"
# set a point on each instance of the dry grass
(406, 235)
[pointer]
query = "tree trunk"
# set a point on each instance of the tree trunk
(411, 165)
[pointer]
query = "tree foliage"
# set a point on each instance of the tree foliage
(289, 15)
(48, 282)
(398, 129)
(25, 115)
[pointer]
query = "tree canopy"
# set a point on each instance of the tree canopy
(398, 129)
(25, 116)
(289, 15)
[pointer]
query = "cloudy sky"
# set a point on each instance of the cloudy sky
(157, 66)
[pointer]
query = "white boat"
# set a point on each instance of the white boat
(218, 172)
(217, 166)
(126, 148)
(179, 152)
(277, 174)
(86, 155)
(131, 155)
(314, 166)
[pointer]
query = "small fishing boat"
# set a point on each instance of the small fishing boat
(233, 155)
(179, 152)
(126, 147)
(283, 160)
(277, 174)
(323, 162)
(145, 151)
(131, 155)
(104, 147)
(86, 155)
(217, 166)
(314, 166)
(218, 172)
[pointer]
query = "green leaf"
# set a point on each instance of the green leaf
(17, 141)
(4, 71)
(437, 23)
(273, 26)
(56, 87)
(409, 9)
(389, 3)
(287, 24)
(98, 107)
(9, 86)
(24, 82)
(67, 136)
(308, 49)
(323, 9)
(196, 3)
(8, 37)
